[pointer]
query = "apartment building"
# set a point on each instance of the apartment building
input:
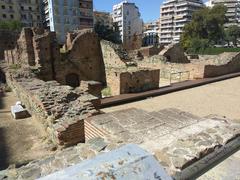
(233, 10)
(103, 18)
(8, 10)
(63, 16)
(151, 33)
(25, 11)
(174, 15)
(128, 19)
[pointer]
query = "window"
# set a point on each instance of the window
(22, 8)
(30, 8)
(12, 17)
(10, 7)
(4, 16)
(3, 7)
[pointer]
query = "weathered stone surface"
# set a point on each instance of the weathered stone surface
(127, 162)
(61, 109)
(19, 112)
(185, 144)
(37, 49)
(175, 54)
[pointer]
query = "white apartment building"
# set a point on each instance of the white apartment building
(127, 17)
(62, 16)
(174, 15)
(151, 33)
(233, 10)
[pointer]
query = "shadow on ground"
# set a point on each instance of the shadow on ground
(1, 100)
(3, 150)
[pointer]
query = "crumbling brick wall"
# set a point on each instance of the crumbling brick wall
(114, 55)
(139, 81)
(231, 66)
(174, 54)
(60, 109)
(83, 59)
(150, 51)
(135, 81)
(38, 49)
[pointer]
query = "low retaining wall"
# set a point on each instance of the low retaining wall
(133, 81)
(60, 109)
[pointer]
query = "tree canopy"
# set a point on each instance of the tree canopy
(205, 29)
(232, 34)
(11, 25)
(107, 33)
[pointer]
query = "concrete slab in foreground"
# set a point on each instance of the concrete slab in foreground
(127, 162)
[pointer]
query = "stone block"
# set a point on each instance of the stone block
(18, 112)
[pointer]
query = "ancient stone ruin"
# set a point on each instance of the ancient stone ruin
(38, 49)
(61, 88)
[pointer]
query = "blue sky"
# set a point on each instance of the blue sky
(150, 9)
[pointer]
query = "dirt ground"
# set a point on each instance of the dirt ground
(20, 140)
(221, 98)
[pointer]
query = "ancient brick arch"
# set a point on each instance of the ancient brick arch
(83, 56)
(72, 80)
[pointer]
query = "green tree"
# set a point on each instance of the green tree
(232, 34)
(109, 34)
(11, 25)
(205, 29)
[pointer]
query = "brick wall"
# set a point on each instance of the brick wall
(123, 82)
(60, 109)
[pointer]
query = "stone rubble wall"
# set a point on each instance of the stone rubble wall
(83, 58)
(113, 82)
(139, 81)
(38, 49)
(61, 109)
(150, 51)
(113, 55)
(204, 67)
(231, 66)
(174, 54)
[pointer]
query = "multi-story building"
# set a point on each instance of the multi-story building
(62, 16)
(103, 18)
(151, 33)
(9, 10)
(233, 10)
(30, 14)
(127, 17)
(174, 15)
(25, 11)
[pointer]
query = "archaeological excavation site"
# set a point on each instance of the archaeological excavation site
(89, 110)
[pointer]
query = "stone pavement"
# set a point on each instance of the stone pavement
(184, 144)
